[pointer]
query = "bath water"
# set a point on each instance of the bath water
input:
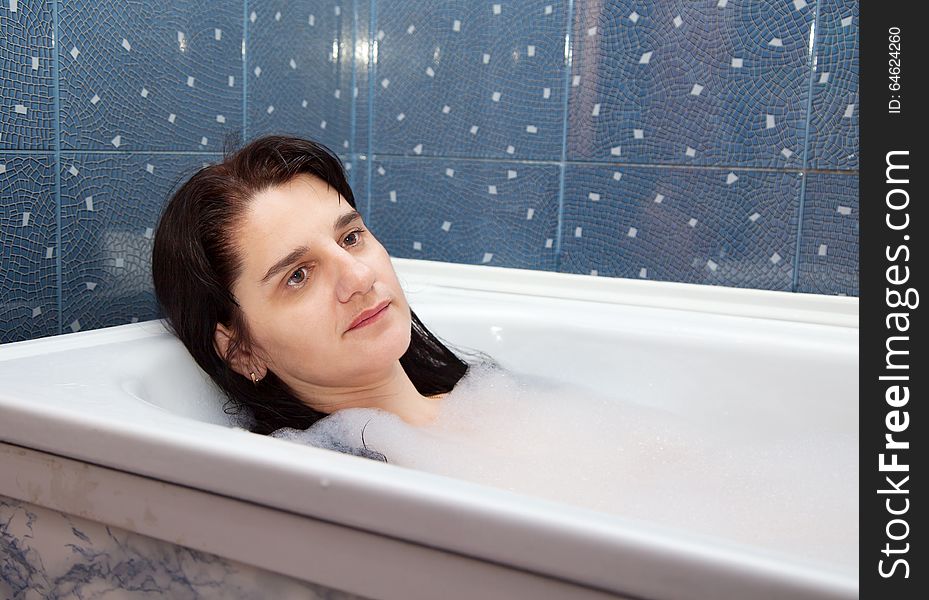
(784, 491)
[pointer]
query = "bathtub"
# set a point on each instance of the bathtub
(118, 427)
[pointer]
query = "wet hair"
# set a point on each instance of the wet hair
(195, 262)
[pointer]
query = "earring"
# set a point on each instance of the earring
(255, 379)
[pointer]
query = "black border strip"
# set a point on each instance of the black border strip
(893, 267)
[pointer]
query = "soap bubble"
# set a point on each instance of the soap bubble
(564, 442)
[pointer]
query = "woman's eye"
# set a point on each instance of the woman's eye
(297, 277)
(357, 233)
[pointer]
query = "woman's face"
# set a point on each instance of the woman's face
(308, 272)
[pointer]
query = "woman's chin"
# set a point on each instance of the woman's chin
(386, 341)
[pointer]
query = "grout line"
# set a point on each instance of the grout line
(145, 152)
(798, 240)
(563, 164)
(353, 116)
(27, 151)
(372, 75)
(244, 72)
(56, 95)
(592, 163)
(795, 279)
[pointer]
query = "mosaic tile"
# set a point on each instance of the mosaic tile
(299, 70)
(28, 247)
(834, 112)
(690, 83)
(110, 206)
(473, 212)
(829, 237)
(359, 178)
(476, 79)
(150, 75)
(27, 116)
(361, 125)
(707, 226)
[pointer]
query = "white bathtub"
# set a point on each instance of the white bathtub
(119, 426)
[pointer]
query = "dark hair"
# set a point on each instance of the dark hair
(195, 263)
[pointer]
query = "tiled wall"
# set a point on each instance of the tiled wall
(711, 142)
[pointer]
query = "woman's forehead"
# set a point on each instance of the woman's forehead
(302, 196)
(302, 189)
(288, 216)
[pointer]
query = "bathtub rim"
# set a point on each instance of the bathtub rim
(731, 301)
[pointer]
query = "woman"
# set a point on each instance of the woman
(266, 272)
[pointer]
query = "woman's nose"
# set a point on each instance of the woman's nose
(354, 275)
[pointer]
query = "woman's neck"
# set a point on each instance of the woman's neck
(394, 392)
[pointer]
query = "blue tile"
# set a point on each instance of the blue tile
(350, 164)
(834, 112)
(300, 71)
(28, 247)
(474, 212)
(829, 236)
(358, 178)
(150, 75)
(703, 226)
(110, 205)
(690, 83)
(362, 125)
(455, 78)
(27, 117)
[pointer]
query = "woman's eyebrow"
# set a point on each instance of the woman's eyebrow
(295, 254)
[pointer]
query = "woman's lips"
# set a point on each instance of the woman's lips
(372, 319)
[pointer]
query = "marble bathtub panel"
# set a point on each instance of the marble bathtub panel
(49, 554)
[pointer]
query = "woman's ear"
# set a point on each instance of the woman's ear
(241, 361)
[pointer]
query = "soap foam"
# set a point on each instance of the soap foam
(571, 444)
